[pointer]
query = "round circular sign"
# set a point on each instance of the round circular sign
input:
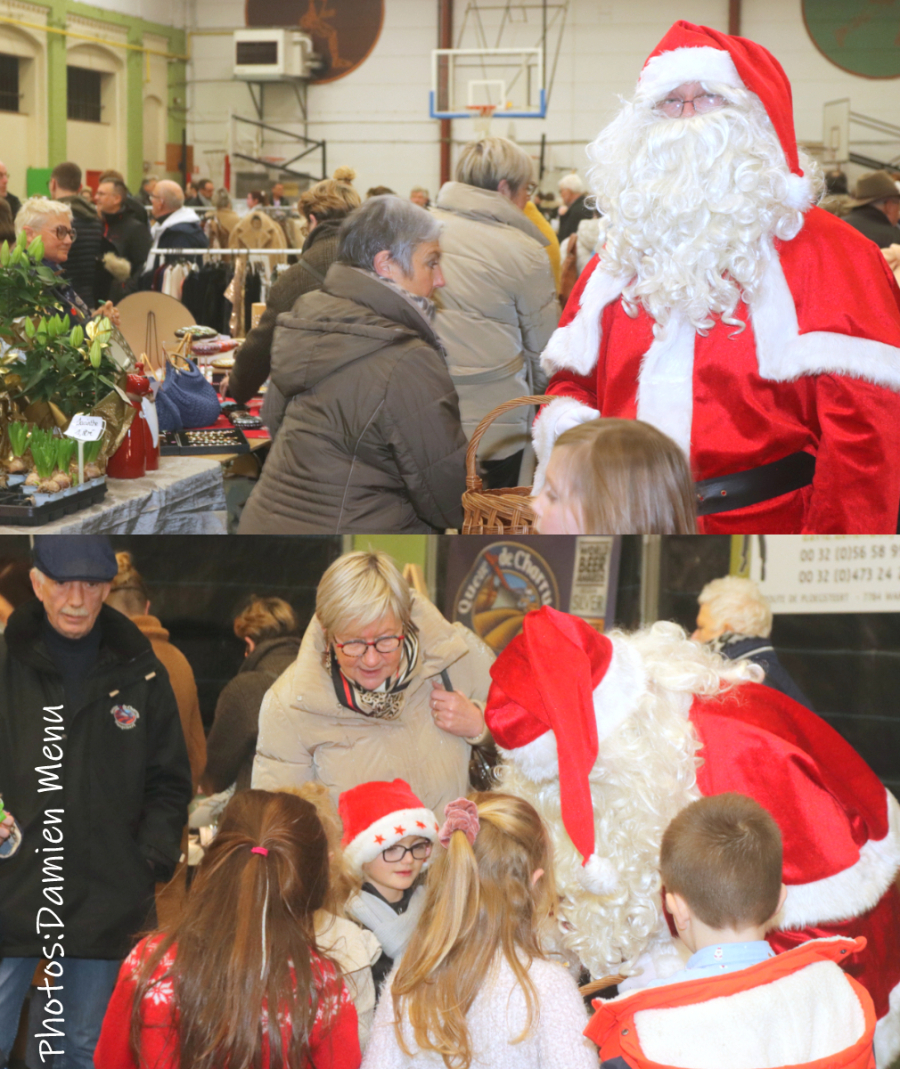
(344, 32)
(859, 36)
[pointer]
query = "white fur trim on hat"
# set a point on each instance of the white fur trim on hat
(668, 70)
(559, 416)
(615, 697)
(799, 192)
(853, 891)
(598, 875)
(388, 831)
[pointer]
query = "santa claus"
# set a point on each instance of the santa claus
(639, 726)
(761, 333)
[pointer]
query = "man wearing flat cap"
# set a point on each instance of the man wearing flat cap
(94, 768)
(876, 209)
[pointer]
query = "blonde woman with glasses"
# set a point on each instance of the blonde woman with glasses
(383, 687)
(51, 221)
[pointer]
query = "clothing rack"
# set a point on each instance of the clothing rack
(226, 252)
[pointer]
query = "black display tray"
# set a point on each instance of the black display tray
(16, 509)
(205, 440)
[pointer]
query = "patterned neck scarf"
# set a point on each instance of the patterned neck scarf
(384, 703)
(425, 306)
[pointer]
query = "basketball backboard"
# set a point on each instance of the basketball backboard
(508, 80)
(836, 131)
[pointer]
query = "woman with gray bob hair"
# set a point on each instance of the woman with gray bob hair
(371, 438)
(385, 223)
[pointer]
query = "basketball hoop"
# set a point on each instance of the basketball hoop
(482, 115)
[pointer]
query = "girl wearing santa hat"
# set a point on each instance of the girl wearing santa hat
(388, 835)
(475, 986)
(247, 935)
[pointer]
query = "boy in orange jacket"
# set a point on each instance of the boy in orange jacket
(736, 1004)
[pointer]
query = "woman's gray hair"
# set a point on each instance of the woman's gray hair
(386, 222)
(486, 163)
(36, 212)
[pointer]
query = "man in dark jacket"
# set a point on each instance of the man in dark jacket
(876, 209)
(175, 227)
(14, 203)
(81, 263)
(94, 768)
(126, 242)
(574, 196)
(735, 619)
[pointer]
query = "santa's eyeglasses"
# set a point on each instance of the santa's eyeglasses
(420, 851)
(673, 107)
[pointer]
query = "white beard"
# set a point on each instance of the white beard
(691, 208)
(645, 774)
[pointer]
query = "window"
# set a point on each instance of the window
(9, 82)
(84, 88)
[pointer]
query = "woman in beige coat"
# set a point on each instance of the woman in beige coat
(498, 306)
(408, 702)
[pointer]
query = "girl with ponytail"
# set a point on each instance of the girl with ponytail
(475, 987)
(238, 981)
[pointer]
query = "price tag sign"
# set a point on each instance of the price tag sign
(86, 428)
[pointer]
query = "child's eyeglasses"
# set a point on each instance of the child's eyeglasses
(419, 851)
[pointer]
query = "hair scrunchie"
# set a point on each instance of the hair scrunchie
(461, 815)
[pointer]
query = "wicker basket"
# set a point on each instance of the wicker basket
(503, 511)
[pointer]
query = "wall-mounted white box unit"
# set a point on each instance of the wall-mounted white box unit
(273, 55)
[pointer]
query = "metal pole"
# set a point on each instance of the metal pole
(734, 17)
(651, 558)
(445, 40)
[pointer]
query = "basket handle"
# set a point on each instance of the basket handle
(472, 480)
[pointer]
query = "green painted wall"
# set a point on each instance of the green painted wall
(405, 549)
(57, 15)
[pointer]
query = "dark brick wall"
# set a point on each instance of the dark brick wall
(197, 583)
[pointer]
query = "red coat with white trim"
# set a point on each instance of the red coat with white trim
(797, 1008)
(840, 828)
(816, 369)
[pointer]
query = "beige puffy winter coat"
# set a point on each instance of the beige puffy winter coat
(306, 734)
(496, 312)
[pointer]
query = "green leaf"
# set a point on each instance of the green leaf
(30, 329)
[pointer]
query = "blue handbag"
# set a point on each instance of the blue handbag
(186, 400)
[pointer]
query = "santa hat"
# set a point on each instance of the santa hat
(559, 689)
(690, 53)
(377, 815)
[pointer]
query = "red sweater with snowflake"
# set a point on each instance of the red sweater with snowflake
(334, 1048)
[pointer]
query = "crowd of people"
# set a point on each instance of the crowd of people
(359, 903)
(693, 266)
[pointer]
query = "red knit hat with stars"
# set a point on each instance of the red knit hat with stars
(690, 53)
(377, 815)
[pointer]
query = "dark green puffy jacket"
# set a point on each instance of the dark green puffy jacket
(371, 438)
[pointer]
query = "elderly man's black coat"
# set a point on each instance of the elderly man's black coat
(116, 767)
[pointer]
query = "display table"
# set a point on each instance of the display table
(185, 496)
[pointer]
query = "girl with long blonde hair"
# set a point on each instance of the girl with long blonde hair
(475, 986)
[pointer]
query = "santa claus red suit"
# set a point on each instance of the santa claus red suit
(639, 726)
(760, 333)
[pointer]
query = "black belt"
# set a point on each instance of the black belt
(744, 488)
